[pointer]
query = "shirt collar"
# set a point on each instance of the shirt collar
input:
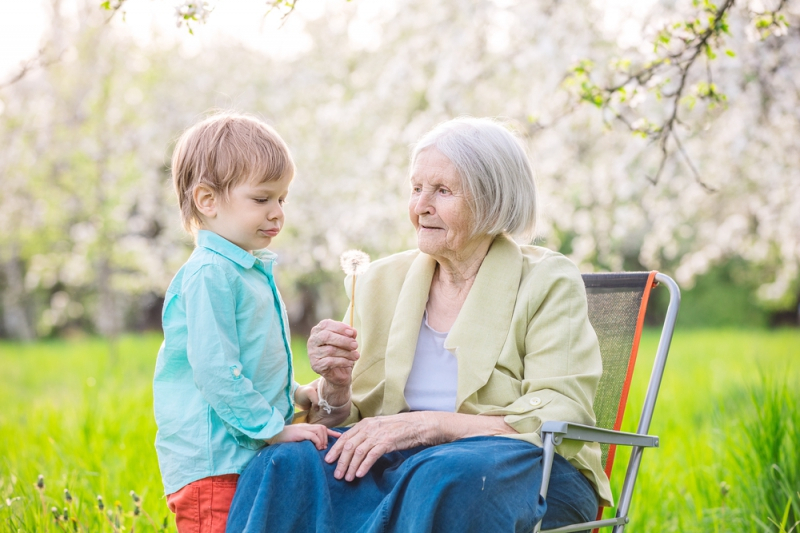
(215, 243)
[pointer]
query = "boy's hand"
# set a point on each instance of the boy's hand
(316, 433)
(305, 396)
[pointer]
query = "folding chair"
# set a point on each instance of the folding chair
(617, 305)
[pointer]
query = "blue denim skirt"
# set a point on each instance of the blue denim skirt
(479, 484)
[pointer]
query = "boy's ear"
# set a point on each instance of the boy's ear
(205, 200)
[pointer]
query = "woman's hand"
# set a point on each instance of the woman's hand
(332, 351)
(359, 448)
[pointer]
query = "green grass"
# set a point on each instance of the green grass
(80, 413)
(728, 418)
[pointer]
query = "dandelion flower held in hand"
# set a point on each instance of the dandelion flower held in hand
(354, 263)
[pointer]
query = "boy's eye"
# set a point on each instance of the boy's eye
(261, 200)
(282, 201)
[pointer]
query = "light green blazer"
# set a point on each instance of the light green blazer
(524, 345)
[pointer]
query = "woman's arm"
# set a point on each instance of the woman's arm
(359, 448)
(332, 351)
(330, 408)
(562, 362)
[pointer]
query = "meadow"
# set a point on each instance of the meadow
(78, 412)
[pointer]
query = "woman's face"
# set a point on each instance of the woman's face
(438, 207)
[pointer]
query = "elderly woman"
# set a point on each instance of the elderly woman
(463, 349)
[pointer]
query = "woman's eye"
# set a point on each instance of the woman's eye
(416, 189)
(444, 191)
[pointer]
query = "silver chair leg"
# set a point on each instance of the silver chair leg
(549, 450)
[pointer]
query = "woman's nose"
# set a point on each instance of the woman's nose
(423, 204)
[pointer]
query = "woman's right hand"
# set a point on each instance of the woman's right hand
(332, 351)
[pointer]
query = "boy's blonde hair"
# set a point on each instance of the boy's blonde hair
(222, 151)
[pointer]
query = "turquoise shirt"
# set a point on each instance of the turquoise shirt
(223, 381)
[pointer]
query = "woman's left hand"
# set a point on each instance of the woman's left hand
(361, 446)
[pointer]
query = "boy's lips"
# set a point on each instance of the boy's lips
(270, 232)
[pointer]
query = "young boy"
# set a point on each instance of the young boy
(223, 385)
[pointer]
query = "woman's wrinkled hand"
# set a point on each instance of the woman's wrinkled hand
(360, 447)
(332, 351)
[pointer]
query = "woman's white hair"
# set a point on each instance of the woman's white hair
(495, 170)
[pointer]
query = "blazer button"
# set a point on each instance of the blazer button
(535, 401)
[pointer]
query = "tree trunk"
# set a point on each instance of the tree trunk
(16, 319)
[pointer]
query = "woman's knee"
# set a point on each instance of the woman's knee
(480, 469)
(487, 487)
(277, 470)
(293, 451)
(279, 459)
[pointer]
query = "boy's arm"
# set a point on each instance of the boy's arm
(306, 395)
(213, 352)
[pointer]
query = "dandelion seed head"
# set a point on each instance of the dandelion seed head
(40, 482)
(354, 262)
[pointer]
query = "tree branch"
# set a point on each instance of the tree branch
(31, 64)
(688, 159)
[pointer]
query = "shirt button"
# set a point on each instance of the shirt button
(237, 372)
(535, 401)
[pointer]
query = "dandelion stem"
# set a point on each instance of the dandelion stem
(353, 301)
(354, 262)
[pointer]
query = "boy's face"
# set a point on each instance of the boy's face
(251, 215)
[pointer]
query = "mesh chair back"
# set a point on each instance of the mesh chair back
(617, 304)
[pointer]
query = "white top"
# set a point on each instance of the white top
(433, 381)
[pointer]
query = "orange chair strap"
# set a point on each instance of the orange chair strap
(651, 283)
(631, 364)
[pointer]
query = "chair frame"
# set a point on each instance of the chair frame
(553, 432)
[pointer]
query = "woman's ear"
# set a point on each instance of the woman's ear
(205, 200)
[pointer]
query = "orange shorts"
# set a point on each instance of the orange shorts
(202, 506)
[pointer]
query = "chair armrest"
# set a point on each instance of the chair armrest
(570, 431)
